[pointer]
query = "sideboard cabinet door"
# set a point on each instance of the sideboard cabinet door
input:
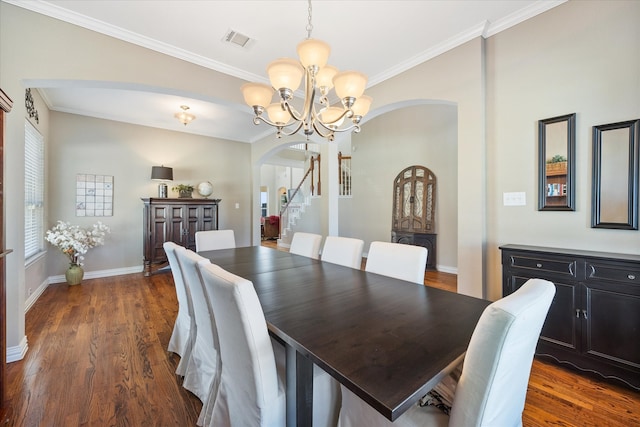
(174, 220)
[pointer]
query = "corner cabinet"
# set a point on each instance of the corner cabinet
(174, 220)
(594, 320)
(414, 210)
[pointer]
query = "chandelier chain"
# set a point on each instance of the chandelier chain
(309, 25)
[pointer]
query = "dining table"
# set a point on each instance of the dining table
(389, 341)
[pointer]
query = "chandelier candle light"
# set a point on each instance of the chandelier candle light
(286, 74)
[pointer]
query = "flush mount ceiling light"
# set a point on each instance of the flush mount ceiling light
(184, 117)
(286, 74)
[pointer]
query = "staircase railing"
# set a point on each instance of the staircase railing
(314, 190)
(344, 175)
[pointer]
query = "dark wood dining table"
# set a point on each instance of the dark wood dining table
(389, 341)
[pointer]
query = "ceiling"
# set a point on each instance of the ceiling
(379, 38)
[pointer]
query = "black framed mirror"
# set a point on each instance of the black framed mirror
(614, 201)
(556, 163)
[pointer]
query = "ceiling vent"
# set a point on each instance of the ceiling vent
(237, 39)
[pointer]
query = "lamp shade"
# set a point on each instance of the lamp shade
(349, 84)
(257, 94)
(324, 78)
(277, 115)
(362, 105)
(331, 117)
(161, 173)
(285, 73)
(313, 52)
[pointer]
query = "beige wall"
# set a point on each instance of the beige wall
(86, 145)
(455, 77)
(578, 57)
(35, 47)
(424, 135)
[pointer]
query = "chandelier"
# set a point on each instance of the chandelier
(286, 74)
(184, 117)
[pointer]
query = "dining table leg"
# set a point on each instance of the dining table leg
(299, 389)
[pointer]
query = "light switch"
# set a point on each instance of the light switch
(237, 205)
(514, 199)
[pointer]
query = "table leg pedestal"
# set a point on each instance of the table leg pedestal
(299, 389)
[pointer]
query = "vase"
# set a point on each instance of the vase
(185, 194)
(74, 274)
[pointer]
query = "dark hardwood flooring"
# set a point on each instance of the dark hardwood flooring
(97, 357)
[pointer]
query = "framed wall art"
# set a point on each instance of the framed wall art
(94, 195)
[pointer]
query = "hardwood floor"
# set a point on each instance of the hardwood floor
(97, 357)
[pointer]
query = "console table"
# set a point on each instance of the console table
(594, 321)
(174, 220)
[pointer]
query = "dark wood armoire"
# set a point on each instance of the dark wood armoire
(5, 107)
(414, 210)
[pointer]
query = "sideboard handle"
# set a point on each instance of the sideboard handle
(539, 265)
(578, 313)
(631, 277)
(584, 313)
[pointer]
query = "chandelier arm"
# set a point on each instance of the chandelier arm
(293, 131)
(292, 112)
(328, 135)
(258, 119)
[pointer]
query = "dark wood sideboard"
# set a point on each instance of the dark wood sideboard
(174, 220)
(593, 324)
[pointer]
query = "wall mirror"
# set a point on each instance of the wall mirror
(614, 202)
(556, 163)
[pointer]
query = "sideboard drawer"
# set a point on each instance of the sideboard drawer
(624, 274)
(558, 266)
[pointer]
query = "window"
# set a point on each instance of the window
(33, 191)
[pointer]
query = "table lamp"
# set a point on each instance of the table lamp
(162, 173)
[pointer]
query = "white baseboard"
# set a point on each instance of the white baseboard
(34, 296)
(447, 269)
(17, 353)
(99, 273)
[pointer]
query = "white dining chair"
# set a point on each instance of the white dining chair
(343, 251)
(211, 240)
(397, 260)
(184, 328)
(495, 373)
(252, 379)
(204, 362)
(306, 244)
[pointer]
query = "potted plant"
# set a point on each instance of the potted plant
(557, 165)
(184, 190)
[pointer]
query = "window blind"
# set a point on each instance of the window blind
(33, 191)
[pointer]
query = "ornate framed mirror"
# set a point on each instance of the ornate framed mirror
(556, 163)
(614, 202)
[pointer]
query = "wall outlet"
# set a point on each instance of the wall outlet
(30, 291)
(237, 205)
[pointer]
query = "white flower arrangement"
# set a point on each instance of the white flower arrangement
(74, 241)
